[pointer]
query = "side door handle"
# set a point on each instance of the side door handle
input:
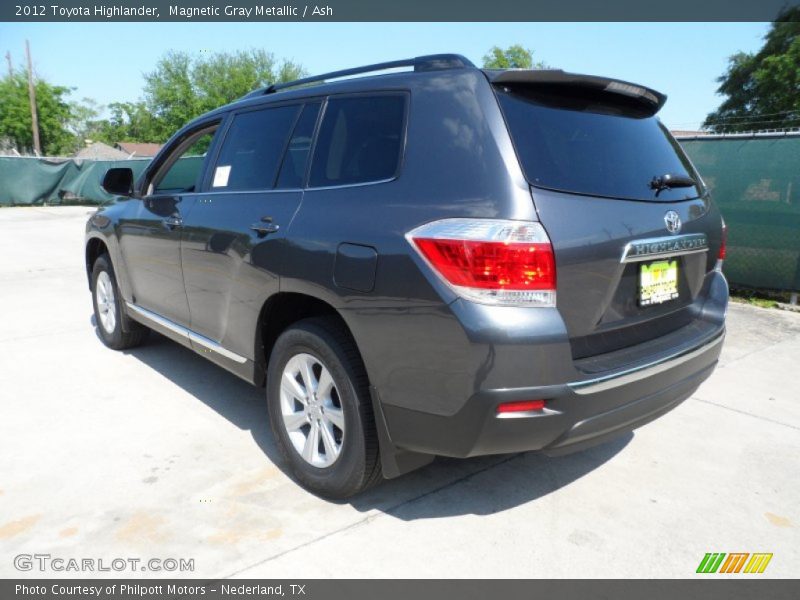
(265, 226)
(173, 222)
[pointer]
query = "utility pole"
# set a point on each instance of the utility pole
(10, 66)
(37, 148)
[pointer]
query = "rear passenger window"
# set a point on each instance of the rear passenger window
(360, 140)
(252, 150)
(293, 169)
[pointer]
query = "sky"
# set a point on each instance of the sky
(105, 61)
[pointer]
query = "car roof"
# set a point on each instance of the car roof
(375, 77)
(385, 76)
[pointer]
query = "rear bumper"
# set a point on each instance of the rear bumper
(576, 415)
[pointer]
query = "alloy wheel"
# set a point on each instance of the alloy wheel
(106, 302)
(312, 410)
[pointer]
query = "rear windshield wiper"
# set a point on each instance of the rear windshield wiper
(669, 181)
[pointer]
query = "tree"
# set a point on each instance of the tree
(183, 86)
(128, 122)
(54, 113)
(180, 88)
(762, 89)
(85, 121)
(513, 57)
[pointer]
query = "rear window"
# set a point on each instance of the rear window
(592, 143)
(360, 140)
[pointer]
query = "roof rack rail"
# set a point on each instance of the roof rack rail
(431, 62)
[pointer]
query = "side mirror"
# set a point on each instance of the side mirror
(119, 181)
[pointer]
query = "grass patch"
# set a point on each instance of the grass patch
(760, 298)
(754, 301)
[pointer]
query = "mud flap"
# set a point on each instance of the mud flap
(394, 461)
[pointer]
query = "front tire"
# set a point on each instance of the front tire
(108, 310)
(320, 409)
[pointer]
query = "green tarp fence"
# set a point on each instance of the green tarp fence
(38, 181)
(755, 181)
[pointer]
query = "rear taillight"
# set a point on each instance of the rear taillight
(491, 261)
(723, 247)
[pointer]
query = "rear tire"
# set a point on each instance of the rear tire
(320, 409)
(108, 309)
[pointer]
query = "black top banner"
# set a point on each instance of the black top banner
(393, 10)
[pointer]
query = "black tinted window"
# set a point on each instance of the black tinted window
(360, 140)
(592, 144)
(293, 168)
(252, 149)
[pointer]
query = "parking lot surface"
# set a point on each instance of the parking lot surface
(157, 453)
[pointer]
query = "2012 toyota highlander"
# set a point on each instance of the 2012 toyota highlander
(440, 260)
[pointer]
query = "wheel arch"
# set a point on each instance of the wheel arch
(95, 247)
(280, 311)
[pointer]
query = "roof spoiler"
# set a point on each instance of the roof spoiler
(511, 77)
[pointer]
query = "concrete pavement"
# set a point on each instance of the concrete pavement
(157, 453)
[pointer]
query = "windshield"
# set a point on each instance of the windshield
(594, 143)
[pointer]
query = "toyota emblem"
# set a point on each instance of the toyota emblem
(672, 221)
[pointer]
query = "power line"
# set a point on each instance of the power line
(759, 115)
(743, 119)
(776, 121)
(782, 122)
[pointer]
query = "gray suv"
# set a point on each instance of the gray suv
(437, 261)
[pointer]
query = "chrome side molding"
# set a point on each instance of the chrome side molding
(185, 333)
(676, 245)
(607, 382)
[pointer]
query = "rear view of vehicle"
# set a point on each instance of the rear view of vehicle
(445, 261)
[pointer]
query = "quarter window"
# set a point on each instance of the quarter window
(360, 140)
(252, 150)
